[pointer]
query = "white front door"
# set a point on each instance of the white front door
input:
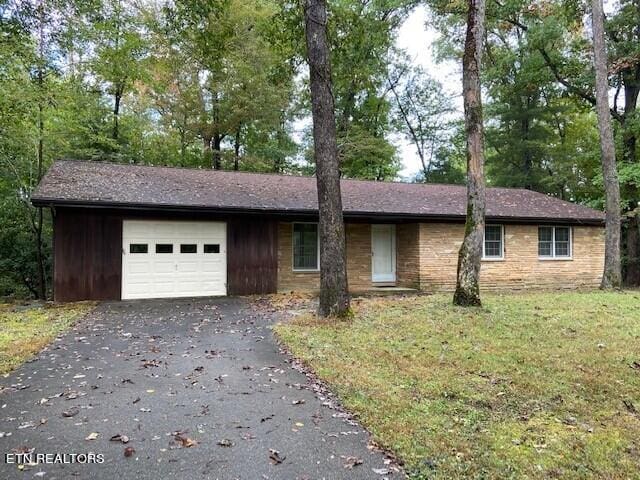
(165, 259)
(383, 253)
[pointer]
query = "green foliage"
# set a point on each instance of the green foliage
(186, 83)
(197, 84)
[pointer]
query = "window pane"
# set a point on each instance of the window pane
(138, 248)
(492, 249)
(305, 246)
(164, 248)
(493, 232)
(493, 241)
(545, 240)
(562, 234)
(545, 234)
(544, 249)
(562, 249)
(211, 248)
(188, 248)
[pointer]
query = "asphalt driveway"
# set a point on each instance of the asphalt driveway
(198, 388)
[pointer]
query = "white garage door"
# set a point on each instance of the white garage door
(165, 259)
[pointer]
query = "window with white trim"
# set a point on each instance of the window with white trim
(554, 242)
(493, 245)
(306, 247)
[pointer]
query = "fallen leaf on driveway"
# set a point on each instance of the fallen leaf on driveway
(119, 438)
(225, 442)
(381, 471)
(72, 412)
(92, 436)
(186, 442)
(298, 402)
(351, 462)
(129, 451)
(275, 457)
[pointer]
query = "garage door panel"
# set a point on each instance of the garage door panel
(165, 275)
(163, 267)
(188, 267)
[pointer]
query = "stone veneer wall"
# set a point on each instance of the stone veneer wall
(521, 267)
(358, 260)
(427, 257)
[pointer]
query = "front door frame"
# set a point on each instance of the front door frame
(389, 279)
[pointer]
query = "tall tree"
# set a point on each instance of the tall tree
(422, 113)
(119, 50)
(334, 295)
(612, 277)
(469, 259)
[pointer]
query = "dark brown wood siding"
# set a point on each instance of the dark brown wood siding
(87, 255)
(88, 252)
(252, 258)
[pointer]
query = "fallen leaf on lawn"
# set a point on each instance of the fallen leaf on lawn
(351, 462)
(186, 442)
(129, 451)
(92, 436)
(119, 438)
(225, 442)
(275, 457)
(630, 406)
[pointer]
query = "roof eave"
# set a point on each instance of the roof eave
(98, 204)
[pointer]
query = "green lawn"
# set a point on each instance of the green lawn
(540, 385)
(25, 330)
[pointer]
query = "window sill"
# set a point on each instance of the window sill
(555, 259)
(490, 259)
(306, 271)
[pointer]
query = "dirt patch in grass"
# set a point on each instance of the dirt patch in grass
(537, 385)
(26, 329)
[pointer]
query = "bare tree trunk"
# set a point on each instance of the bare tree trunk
(236, 149)
(42, 280)
(612, 275)
(334, 296)
(117, 98)
(216, 151)
(469, 259)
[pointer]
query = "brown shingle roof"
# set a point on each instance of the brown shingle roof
(105, 184)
